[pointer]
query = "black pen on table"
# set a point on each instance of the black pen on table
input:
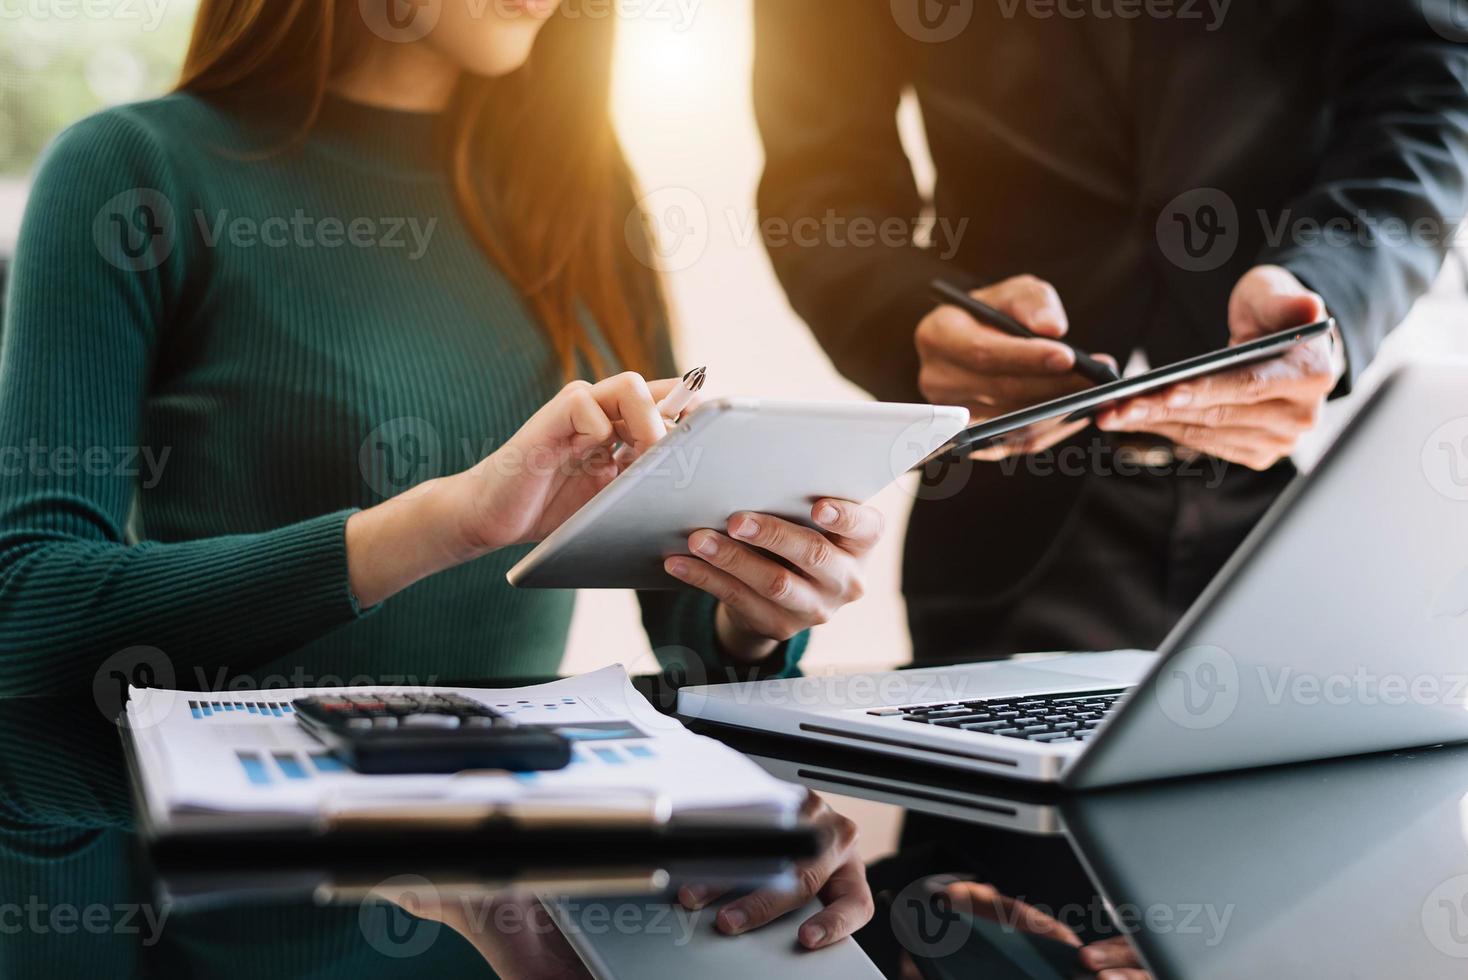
(1086, 365)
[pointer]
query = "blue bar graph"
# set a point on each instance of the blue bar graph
(254, 767)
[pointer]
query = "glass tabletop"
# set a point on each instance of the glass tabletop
(1354, 867)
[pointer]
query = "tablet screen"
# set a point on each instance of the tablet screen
(1034, 423)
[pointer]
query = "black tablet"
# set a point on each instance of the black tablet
(1086, 404)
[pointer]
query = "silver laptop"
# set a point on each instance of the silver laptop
(1339, 627)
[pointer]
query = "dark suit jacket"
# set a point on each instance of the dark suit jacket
(1141, 166)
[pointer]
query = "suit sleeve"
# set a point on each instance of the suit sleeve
(829, 76)
(1392, 188)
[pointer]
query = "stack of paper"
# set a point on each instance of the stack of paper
(206, 758)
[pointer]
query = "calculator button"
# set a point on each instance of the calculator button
(429, 721)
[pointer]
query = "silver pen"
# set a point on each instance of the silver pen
(670, 408)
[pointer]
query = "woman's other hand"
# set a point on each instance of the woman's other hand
(836, 876)
(774, 578)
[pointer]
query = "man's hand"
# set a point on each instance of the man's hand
(991, 373)
(1254, 415)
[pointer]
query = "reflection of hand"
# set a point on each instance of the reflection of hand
(836, 876)
(1110, 959)
(985, 902)
(991, 373)
(1257, 414)
(512, 931)
(1114, 959)
(774, 578)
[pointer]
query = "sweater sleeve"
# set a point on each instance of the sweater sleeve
(100, 270)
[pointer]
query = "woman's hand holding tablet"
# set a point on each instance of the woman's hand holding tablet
(775, 575)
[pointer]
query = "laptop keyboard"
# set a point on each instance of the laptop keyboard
(1058, 718)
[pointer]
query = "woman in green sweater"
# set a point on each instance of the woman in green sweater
(350, 257)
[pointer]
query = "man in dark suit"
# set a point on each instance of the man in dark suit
(1155, 178)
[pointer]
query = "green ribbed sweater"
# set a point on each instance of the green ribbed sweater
(210, 358)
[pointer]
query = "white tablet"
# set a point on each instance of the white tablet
(729, 456)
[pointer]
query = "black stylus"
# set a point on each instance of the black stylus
(1086, 365)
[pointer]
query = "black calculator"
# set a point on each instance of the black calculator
(383, 734)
